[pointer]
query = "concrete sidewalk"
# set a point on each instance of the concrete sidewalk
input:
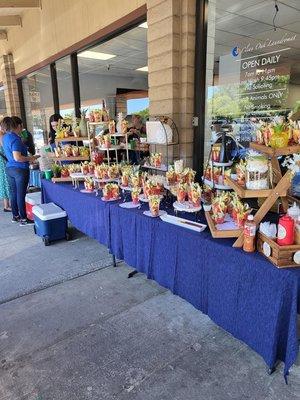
(73, 327)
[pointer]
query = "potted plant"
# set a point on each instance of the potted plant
(56, 170)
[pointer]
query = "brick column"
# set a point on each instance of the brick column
(171, 42)
(10, 85)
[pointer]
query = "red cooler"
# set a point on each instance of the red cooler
(32, 199)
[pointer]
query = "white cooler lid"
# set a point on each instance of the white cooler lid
(48, 211)
(33, 198)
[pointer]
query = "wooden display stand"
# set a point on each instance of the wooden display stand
(282, 184)
(280, 256)
(217, 234)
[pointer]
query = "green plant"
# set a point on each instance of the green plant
(143, 113)
(56, 169)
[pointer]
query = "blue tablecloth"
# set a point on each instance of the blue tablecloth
(242, 293)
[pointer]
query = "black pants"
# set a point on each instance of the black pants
(18, 179)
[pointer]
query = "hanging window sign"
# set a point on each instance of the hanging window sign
(34, 96)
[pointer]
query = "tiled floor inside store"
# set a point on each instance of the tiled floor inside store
(73, 327)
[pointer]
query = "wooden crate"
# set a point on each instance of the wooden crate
(280, 256)
(215, 233)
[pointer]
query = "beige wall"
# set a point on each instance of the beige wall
(60, 24)
(171, 49)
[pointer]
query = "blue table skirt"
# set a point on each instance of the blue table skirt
(243, 293)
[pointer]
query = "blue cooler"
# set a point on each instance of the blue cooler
(50, 222)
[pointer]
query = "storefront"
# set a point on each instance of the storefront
(210, 66)
(113, 73)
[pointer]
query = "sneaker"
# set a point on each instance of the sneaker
(15, 219)
(26, 221)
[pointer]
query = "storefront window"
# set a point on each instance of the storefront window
(108, 70)
(65, 87)
(38, 101)
(253, 71)
(2, 103)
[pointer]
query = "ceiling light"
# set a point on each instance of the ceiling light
(144, 25)
(143, 69)
(96, 55)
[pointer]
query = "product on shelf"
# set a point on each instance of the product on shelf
(189, 175)
(229, 203)
(89, 184)
(219, 208)
(74, 168)
(154, 202)
(75, 151)
(178, 166)
(207, 195)
(58, 151)
(181, 192)
(286, 231)
(171, 176)
(257, 171)
(111, 191)
(91, 168)
(106, 141)
(241, 172)
(97, 157)
(62, 131)
(67, 150)
(85, 167)
(112, 127)
(278, 134)
(152, 188)
(136, 180)
(249, 234)
(113, 171)
(84, 151)
(64, 173)
(194, 193)
(124, 126)
(156, 160)
(135, 195)
(215, 152)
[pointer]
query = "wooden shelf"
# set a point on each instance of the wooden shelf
(163, 168)
(216, 185)
(280, 256)
(113, 147)
(284, 151)
(215, 233)
(71, 139)
(97, 123)
(70, 158)
(57, 180)
(247, 193)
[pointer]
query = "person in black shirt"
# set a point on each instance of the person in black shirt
(53, 122)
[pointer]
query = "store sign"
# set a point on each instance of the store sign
(268, 43)
(261, 80)
(34, 96)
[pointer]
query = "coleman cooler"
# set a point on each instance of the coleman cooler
(50, 222)
(32, 199)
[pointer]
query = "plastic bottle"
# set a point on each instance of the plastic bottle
(286, 231)
(249, 234)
